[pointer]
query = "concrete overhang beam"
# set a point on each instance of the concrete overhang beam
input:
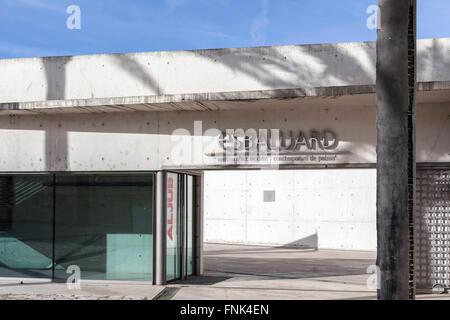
(212, 79)
(210, 101)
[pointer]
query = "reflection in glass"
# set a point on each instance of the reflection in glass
(104, 226)
(190, 211)
(26, 215)
(173, 268)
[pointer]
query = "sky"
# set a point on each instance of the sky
(35, 28)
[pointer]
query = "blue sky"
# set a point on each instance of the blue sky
(33, 28)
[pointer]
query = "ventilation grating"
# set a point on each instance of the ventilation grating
(432, 236)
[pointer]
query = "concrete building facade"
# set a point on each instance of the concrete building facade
(266, 145)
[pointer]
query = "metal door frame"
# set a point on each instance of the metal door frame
(160, 245)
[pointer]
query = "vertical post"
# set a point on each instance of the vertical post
(412, 87)
(396, 87)
(160, 228)
(182, 223)
(199, 185)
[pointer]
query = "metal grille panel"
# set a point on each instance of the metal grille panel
(432, 232)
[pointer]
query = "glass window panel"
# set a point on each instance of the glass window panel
(190, 211)
(26, 215)
(104, 226)
(173, 224)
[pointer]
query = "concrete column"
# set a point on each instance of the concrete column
(396, 148)
(160, 228)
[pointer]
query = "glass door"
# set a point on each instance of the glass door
(173, 239)
(189, 226)
(180, 225)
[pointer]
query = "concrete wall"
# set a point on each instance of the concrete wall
(325, 209)
(205, 71)
(154, 140)
(320, 208)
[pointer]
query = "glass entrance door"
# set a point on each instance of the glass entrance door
(180, 210)
(173, 240)
(189, 225)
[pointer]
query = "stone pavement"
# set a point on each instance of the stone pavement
(232, 272)
(36, 289)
